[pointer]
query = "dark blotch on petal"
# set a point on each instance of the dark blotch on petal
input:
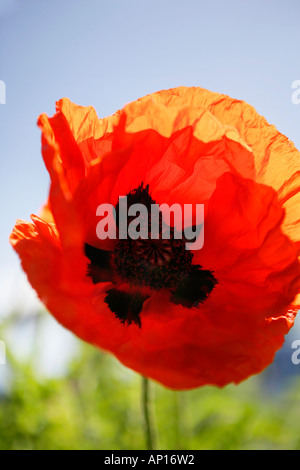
(126, 305)
(99, 268)
(139, 195)
(194, 288)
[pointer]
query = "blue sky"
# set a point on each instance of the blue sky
(106, 53)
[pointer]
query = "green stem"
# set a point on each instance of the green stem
(148, 421)
(177, 420)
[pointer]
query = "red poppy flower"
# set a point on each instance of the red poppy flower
(184, 318)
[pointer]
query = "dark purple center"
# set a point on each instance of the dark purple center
(148, 263)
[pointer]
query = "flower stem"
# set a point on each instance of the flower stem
(148, 418)
(177, 423)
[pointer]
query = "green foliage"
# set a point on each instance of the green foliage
(97, 405)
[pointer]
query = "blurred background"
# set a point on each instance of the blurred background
(55, 391)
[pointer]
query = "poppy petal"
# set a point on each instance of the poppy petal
(271, 149)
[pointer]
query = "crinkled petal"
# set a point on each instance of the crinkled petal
(276, 160)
